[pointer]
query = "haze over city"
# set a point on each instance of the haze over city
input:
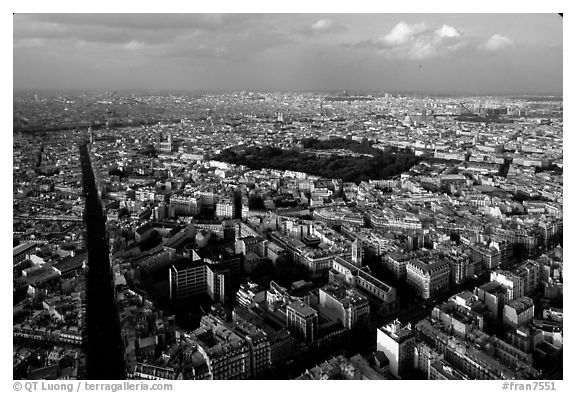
(427, 53)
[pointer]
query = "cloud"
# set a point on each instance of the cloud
(125, 28)
(447, 31)
(201, 36)
(241, 46)
(137, 21)
(498, 42)
(417, 42)
(323, 26)
(134, 45)
(320, 27)
(403, 34)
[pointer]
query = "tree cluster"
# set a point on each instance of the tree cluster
(383, 165)
(364, 147)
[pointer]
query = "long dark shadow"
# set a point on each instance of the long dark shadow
(104, 349)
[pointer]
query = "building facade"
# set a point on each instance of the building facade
(428, 279)
(397, 341)
(302, 321)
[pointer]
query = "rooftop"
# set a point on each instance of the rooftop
(22, 248)
(302, 309)
(521, 304)
(397, 330)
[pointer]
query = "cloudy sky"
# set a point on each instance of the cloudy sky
(431, 53)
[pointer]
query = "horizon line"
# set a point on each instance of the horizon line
(321, 91)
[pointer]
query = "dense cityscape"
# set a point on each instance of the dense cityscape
(287, 235)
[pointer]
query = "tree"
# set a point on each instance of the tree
(382, 165)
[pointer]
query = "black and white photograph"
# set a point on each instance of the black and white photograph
(287, 196)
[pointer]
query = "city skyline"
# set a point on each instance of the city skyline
(426, 53)
(287, 236)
